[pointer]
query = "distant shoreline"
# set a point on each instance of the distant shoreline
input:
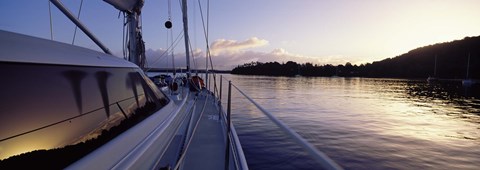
(449, 60)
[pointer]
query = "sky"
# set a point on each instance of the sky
(315, 31)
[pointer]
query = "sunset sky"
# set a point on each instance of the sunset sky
(317, 31)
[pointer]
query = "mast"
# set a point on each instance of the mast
(468, 65)
(132, 31)
(136, 46)
(435, 68)
(185, 34)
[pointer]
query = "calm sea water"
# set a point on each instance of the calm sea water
(361, 123)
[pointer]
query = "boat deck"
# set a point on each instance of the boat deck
(207, 149)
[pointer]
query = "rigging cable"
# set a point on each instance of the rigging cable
(168, 42)
(177, 40)
(191, 52)
(195, 26)
(193, 57)
(205, 30)
(168, 29)
(173, 53)
(51, 25)
(169, 10)
(174, 43)
(171, 36)
(78, 17)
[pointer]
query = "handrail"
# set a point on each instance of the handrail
(232, 137)
(229, 122)
(240, 161)
(237, 145)
(233, 141)
(319, 156)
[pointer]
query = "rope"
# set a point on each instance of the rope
(182, 157)
(173, 54)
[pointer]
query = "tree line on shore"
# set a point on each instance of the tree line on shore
(452, 60)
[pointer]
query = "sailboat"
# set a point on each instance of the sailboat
(68, 107)
(65, 106)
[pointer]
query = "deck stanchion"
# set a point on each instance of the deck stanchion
(220, 95)
(229, 103)
(214, 85)
(220, 99)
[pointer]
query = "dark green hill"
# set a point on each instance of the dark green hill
(418, 63)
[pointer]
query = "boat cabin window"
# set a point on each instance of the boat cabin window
(49, 112)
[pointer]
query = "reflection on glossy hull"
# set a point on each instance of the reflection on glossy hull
(58, 158)
(56, 110)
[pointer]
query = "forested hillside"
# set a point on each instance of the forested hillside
(418, 63)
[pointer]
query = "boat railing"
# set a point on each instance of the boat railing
(325, 161)
(232, 139)
(233, 142)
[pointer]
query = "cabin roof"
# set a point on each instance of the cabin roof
(16, 47)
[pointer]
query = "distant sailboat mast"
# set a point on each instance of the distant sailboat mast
(434, 77)
(468, 81)
(468, 65)
(435, 68)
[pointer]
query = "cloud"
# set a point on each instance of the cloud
(233, 59)
(229, 46)
(231, 53)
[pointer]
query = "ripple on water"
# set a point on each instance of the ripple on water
(360, 123)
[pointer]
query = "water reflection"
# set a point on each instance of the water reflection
(363, 123)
